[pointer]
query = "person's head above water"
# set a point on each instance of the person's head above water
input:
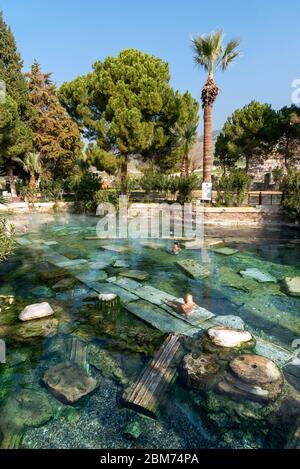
(188, 298)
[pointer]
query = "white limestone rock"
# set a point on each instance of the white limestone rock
(225, 337)
(36, 311)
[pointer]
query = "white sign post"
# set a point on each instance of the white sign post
(207, 191)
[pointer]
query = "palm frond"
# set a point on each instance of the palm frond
(230, 53)
(185, 135)
(209, 51)
(32, 163)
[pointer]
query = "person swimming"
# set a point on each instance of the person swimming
(187, 307)
(176, 248)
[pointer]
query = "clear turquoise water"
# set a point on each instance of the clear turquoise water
(98, 420)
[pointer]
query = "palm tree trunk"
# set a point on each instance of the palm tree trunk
(247, 164)
(286, 155)
(32, 180)
(124, 164)
(207, 143)
(12, 183)
(184, 166)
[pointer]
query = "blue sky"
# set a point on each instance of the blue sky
(67, 36)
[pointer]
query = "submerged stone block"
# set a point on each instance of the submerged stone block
(42, 292)
(272, 351)
(135, 274)
(104, 362)
(72, 263)
(193, 269)
(164, 300)
(23, 409)
(127, 283)
(292, 373)
(23, 242)
(91, 276)
(258, 275)
(121, 264)
(68, 382)
(225, 251)
(64, 284)
(152, 245)
(115, 248)
(292, 285)
(160, 319)
(33, 330)
(230, 320)
(193, 245)
(101, 265)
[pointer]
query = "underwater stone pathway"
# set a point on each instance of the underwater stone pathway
(151, 305)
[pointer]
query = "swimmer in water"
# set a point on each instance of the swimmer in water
(187, 307)
(176, 248)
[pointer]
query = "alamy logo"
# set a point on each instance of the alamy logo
(163, 220)
(2, 351)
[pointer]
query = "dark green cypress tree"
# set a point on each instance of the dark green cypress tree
(11, 70)
(15, 134)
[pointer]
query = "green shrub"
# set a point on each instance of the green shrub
(232, 188)
(28, 192)
(278, 174)
(106, 195)
(183, 187)
(7, 239)
(154, 181)
(85, 188)
(52, 189)
(131, 184)
(290, 186)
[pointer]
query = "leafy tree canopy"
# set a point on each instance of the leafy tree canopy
(15, 135)
(103, 160)
(126, 105)
(247, 134)
(287, 132)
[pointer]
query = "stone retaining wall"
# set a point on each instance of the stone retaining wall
(212, 215)
(244, 215)
(24, 207)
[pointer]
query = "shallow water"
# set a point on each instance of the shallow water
(99, 420)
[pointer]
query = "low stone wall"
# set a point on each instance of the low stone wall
(231, 216)
(42, 207)
(244, 215)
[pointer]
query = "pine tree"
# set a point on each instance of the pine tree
(56, 136)
(11, 70)
(15, 139)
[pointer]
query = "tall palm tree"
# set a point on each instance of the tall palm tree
(185, 137)
(32, 165)
(211, 54)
